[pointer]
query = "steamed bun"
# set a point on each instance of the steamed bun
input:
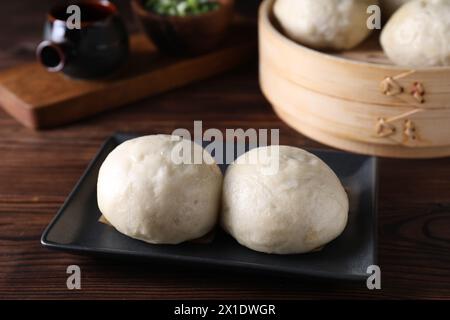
(299, 208)
(145, 195)
(325, 24)
(418, 34)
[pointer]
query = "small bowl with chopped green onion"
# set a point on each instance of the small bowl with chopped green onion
(185, 27)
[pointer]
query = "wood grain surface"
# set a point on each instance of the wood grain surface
(41, 99)
(38, 170)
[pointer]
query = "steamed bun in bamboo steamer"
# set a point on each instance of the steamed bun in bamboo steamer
(325, 24)
(418, 34)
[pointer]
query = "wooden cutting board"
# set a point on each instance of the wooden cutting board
(39, 99)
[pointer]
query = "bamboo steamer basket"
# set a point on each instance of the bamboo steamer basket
(356, 100)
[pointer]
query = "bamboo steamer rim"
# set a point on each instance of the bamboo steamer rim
(266, 12)
(361, 116)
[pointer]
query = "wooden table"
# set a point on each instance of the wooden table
(38, 170)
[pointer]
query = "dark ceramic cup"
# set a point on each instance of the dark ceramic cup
(96, 49)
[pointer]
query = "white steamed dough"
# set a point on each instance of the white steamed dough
(300, 208)
(146, 196)
(418, 34)
(325, 24)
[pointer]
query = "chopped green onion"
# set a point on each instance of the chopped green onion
(181, 7)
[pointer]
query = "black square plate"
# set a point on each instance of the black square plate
(76, 228)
